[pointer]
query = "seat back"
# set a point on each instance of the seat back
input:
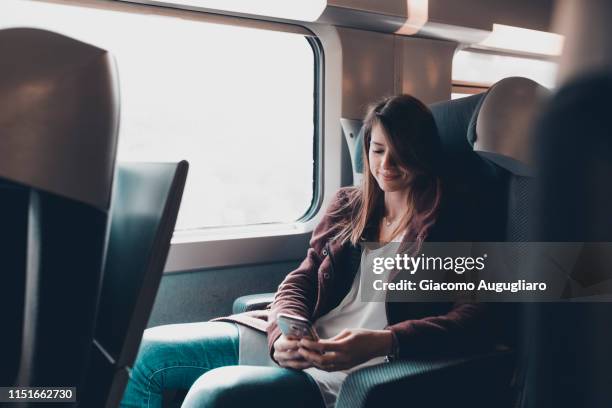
(476, 185)
(59, 120)
(453, 119)
(571, 359)
(13, 241)
(570, 356)
(145, 205)
(501, 133)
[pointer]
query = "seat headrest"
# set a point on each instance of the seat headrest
(353, 135)
(461, 164)
(452, 119)
(59, 115)
(501, 127)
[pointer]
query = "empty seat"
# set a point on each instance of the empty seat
(501, 132)
(59, 120)
(145, 204)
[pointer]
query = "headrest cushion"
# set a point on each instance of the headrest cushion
(501, 126)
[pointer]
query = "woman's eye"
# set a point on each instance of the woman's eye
(378, 151)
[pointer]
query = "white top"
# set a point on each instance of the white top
(350, 313)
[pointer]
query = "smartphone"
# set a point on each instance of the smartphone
(296, 326)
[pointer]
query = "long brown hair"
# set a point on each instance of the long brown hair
(413, 141)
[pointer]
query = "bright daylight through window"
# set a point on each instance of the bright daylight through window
(237, 103)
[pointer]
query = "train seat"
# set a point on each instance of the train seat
(353, 136)
(59, 118)
(570, 360)
(146, 199)
(501, 132)
(252, 302)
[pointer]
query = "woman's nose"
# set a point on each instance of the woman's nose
(387, 162)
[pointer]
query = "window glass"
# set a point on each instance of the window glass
(237, 103)
(486, 69)
(458, 95)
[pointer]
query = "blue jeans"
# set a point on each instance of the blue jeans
(203, 358)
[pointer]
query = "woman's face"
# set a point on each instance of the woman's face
(389, 175)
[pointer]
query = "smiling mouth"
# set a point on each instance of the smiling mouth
(388, 177)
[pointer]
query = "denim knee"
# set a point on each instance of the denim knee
(152, 356)
(174, 356)
(235, 386)
(218, 388)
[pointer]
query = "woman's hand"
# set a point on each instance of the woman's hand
(286, 353)
(349, 348)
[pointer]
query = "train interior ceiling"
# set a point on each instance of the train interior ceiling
(264, 103)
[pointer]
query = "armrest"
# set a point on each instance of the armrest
(472, 381)
(252, 302)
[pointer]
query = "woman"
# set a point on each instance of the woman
(400, 200)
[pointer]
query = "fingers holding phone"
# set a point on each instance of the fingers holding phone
(347, 349)
(327, 355)
(286, 353)
(286, 348)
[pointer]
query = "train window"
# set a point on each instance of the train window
(475, 71)
(237, 102)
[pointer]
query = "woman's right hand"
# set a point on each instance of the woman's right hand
(287, 355)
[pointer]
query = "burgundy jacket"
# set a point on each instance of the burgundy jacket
(320, 283)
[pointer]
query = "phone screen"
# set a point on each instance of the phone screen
(295, 326)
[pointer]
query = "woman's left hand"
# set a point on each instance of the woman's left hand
(349, 348)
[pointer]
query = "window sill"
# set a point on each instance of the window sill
(235, 246)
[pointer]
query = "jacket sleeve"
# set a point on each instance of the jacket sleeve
(467, 326)
(297, 294)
